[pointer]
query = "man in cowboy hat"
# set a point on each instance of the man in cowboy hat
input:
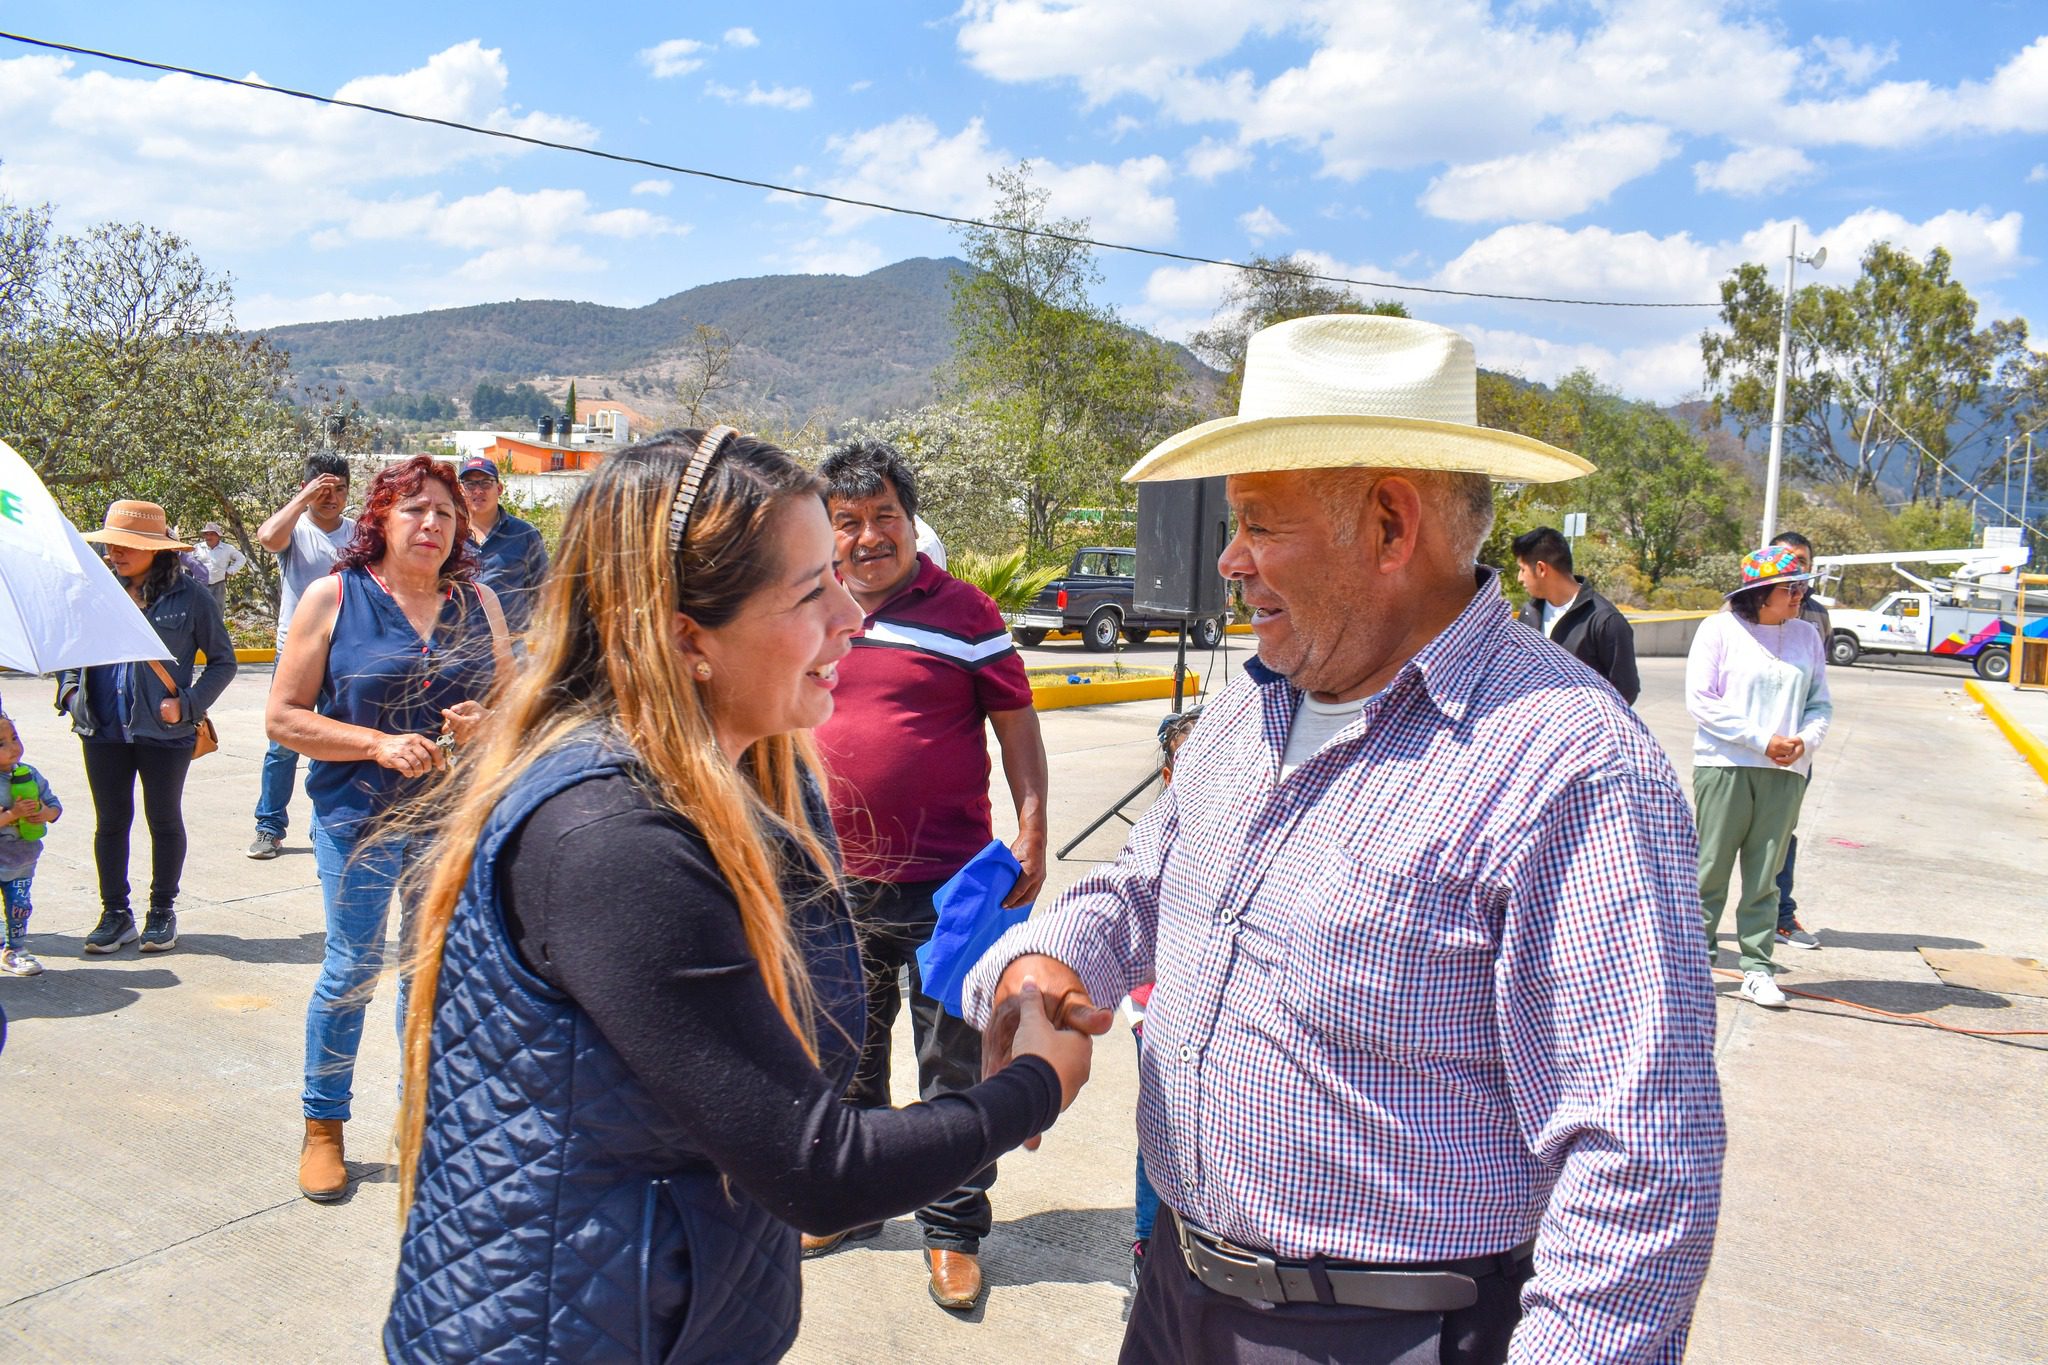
(219, 558)
(1429, 1061)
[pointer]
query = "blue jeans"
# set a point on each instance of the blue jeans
(1788, 909)
(1148, 1198)
(357, 879)
(273, 804)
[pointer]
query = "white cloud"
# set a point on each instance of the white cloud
(1209, 158)
(661, 189)
(234, 167)
(776, 97)
(2038, 175)
(1557, 181)
(859, 86)
(1110, 48)
(1262, 223)
(1983, 247)
(675, 57)
(819, 256)
(741, 37)
(908, 161)
(1661, 372)
(1414, 83)
(527, 270)
(271, 310)
(1851, 62)
(497, 218)
(1753, 171)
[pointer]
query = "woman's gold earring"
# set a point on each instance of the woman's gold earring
(703, 671)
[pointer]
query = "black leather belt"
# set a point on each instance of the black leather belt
(1423, 1287)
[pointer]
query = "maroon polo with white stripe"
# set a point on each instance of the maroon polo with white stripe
(906, 749)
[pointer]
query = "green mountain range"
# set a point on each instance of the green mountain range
(830, 346)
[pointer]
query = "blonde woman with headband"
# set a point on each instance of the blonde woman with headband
(636, 997)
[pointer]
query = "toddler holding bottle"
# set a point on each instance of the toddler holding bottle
(29, 809)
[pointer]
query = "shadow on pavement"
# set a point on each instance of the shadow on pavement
(76, 992)
(1902, 997)
(302, 951)
(1887, 943)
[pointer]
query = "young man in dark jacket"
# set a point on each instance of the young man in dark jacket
(1574, 617)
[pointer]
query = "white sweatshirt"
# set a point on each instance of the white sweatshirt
(1746, 684)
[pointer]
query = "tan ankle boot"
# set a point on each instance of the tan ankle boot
(321, 1174)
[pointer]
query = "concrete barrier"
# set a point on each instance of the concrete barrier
(1665, 634)
(2011, 726)
(1051, 692)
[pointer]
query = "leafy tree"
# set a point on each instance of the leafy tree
(520, 402)
(1077, 394)
(1654, 484)
(569, 406)
(1887, 365)
(1266, 290)
(1009, 580)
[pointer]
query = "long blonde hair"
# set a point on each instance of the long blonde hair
(602, 653)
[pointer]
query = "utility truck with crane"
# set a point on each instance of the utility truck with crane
(1967, 615)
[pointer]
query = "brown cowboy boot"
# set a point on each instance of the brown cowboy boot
(321, 1174)
(811, 1246)
(956, 1278)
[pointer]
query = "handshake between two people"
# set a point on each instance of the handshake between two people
(1042, 1010)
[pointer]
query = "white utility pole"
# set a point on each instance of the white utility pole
(1792, 259)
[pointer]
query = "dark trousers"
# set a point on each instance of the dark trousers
(1788, 908)
(110, 772)
(897, 921)
(1177, 1320)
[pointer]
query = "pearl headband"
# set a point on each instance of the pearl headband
(693, 479)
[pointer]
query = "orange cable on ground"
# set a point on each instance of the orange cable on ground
(1909, 1018)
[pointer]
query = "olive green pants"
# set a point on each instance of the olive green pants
(1751, 812)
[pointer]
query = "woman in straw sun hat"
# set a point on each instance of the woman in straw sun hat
(1756, 681)
(134, 728)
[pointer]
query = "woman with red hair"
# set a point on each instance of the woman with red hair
(385, 671)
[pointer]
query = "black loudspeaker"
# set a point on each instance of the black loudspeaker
(1183, 525)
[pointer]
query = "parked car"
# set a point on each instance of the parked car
(1094, 597)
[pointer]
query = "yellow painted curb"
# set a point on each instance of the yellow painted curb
(2026, 741)
(1633, 615)
(1075, 634)
(1055, 696)
(244, 656)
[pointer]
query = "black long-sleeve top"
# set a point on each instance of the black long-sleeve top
(619, 904)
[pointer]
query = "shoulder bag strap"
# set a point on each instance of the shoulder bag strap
(163, 675)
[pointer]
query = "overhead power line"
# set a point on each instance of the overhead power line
(749, 182)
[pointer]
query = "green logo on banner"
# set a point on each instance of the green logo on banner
(10, 505)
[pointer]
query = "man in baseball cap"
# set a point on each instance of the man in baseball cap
(514, 558)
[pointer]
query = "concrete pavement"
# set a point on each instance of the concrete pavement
(1884, 1197)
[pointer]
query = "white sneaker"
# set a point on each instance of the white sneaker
(1758, 987)
(19, 962)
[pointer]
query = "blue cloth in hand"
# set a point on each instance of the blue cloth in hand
(971, 919)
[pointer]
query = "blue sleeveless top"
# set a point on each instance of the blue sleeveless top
(382, 675)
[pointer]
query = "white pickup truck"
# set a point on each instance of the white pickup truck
(1922, 623)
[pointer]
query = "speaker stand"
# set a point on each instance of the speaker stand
(1116, 812)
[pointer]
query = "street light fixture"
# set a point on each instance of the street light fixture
(1792, 261)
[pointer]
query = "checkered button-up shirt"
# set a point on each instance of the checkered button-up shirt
(1436, 990)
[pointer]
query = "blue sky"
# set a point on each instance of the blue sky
(1628, 149)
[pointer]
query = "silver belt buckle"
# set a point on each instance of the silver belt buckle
(1247, 1272)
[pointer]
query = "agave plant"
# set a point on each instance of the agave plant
(1007, 579)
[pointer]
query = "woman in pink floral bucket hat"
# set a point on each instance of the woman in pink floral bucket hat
(1756, 682)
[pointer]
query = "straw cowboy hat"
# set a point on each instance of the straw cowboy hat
(1352, 391)
(137, 525)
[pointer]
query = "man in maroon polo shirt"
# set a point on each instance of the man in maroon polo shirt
(908, 760)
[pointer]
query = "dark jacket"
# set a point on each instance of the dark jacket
(1595, 633)
(562, 1214)
(187, 620)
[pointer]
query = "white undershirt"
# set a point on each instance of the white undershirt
(1553, 614)
(1316, 723)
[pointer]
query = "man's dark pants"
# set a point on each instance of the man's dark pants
(1788, 908)
(1177, 1319)
(898, 919)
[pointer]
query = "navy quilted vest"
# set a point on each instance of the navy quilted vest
(561, 1215)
